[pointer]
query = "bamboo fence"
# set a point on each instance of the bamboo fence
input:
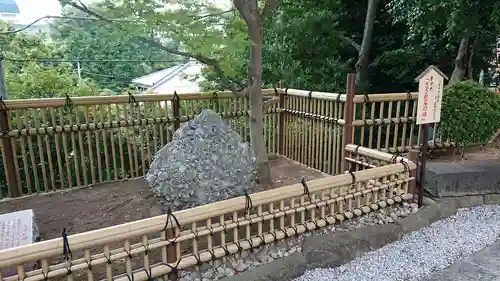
(59, 143)
(161, 245)
(68, 142)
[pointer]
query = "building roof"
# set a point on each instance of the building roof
(178, 78)
(9, 6)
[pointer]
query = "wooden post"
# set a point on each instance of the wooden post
(423, 163)
(281, 128)
(171, 253)
(413, 155)
(7, 151)
(348, 117)
(176, 104)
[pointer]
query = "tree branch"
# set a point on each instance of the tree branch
(349, 41)
(235, 87)
(269, 8)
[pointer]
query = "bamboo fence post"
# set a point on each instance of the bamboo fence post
(348, 116)
(281, 128)
(176, 104)
(413, 156)
(8, 153)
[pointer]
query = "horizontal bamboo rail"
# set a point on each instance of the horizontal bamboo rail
(314, 95)
(327, 201)
(121, 99)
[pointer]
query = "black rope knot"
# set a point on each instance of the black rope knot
(171, 219)
(353, 177)
(3, 106)
(66, 248)
(306, 189)
(248, 204)
(68, 103)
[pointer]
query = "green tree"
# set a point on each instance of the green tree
(199, 28)
(98, 40)
(470, 25)
(26, 77)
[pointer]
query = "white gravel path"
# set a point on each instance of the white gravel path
(423, 252)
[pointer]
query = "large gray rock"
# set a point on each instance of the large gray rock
(205, 162)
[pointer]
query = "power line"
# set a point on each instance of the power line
(89, 60)
(108, 76)
(96, 19)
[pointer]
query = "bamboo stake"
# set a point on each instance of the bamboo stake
(379, 129)
(120, 143)
(388, 128)
(396, 126)
(58, 150)
(98, 145)
(16, 162)
(32, 153)
(74, 149)
(82, 152)
(41, 154)
(112, 142)
(89, 145)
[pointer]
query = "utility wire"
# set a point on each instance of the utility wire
(96, 19)
(87, 60)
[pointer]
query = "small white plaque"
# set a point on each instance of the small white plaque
(16, 229)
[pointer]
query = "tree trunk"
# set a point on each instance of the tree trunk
(256, 104)
(363, 62)
(460, 61)
(470, 69)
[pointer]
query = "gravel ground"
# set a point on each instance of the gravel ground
(423, 252)
(247, 260)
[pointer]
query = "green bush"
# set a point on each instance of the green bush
(470, 113)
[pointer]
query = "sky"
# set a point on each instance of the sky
(34, 9)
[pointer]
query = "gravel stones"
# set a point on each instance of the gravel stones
(205, 162)
(266, 254)
(422, 252)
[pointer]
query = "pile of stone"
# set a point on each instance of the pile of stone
(205, 162)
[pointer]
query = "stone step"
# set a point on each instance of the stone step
(468, 177)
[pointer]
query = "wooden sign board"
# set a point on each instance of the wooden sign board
(430, 95)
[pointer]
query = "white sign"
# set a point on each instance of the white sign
(430, 95)
(16, 229)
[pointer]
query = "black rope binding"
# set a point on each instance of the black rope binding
(131, 98)
(66, 248)
(148, 273)
(68, 104)
(367, 98)
(353, 178)
(306, 189)
(248, 204)
(171, 219)
(406, 166)
(3, 106)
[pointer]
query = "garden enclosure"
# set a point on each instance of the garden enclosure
(59, 143)
(157, 246)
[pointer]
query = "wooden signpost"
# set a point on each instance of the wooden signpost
(430, 97)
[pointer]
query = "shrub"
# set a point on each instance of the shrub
(470, 113)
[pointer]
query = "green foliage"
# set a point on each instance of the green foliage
(471, 113)
(27, 79)
(99, 40)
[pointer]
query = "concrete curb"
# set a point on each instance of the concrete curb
(286, 268)
(326, 251)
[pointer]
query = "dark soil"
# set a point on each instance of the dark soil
(115, 203)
